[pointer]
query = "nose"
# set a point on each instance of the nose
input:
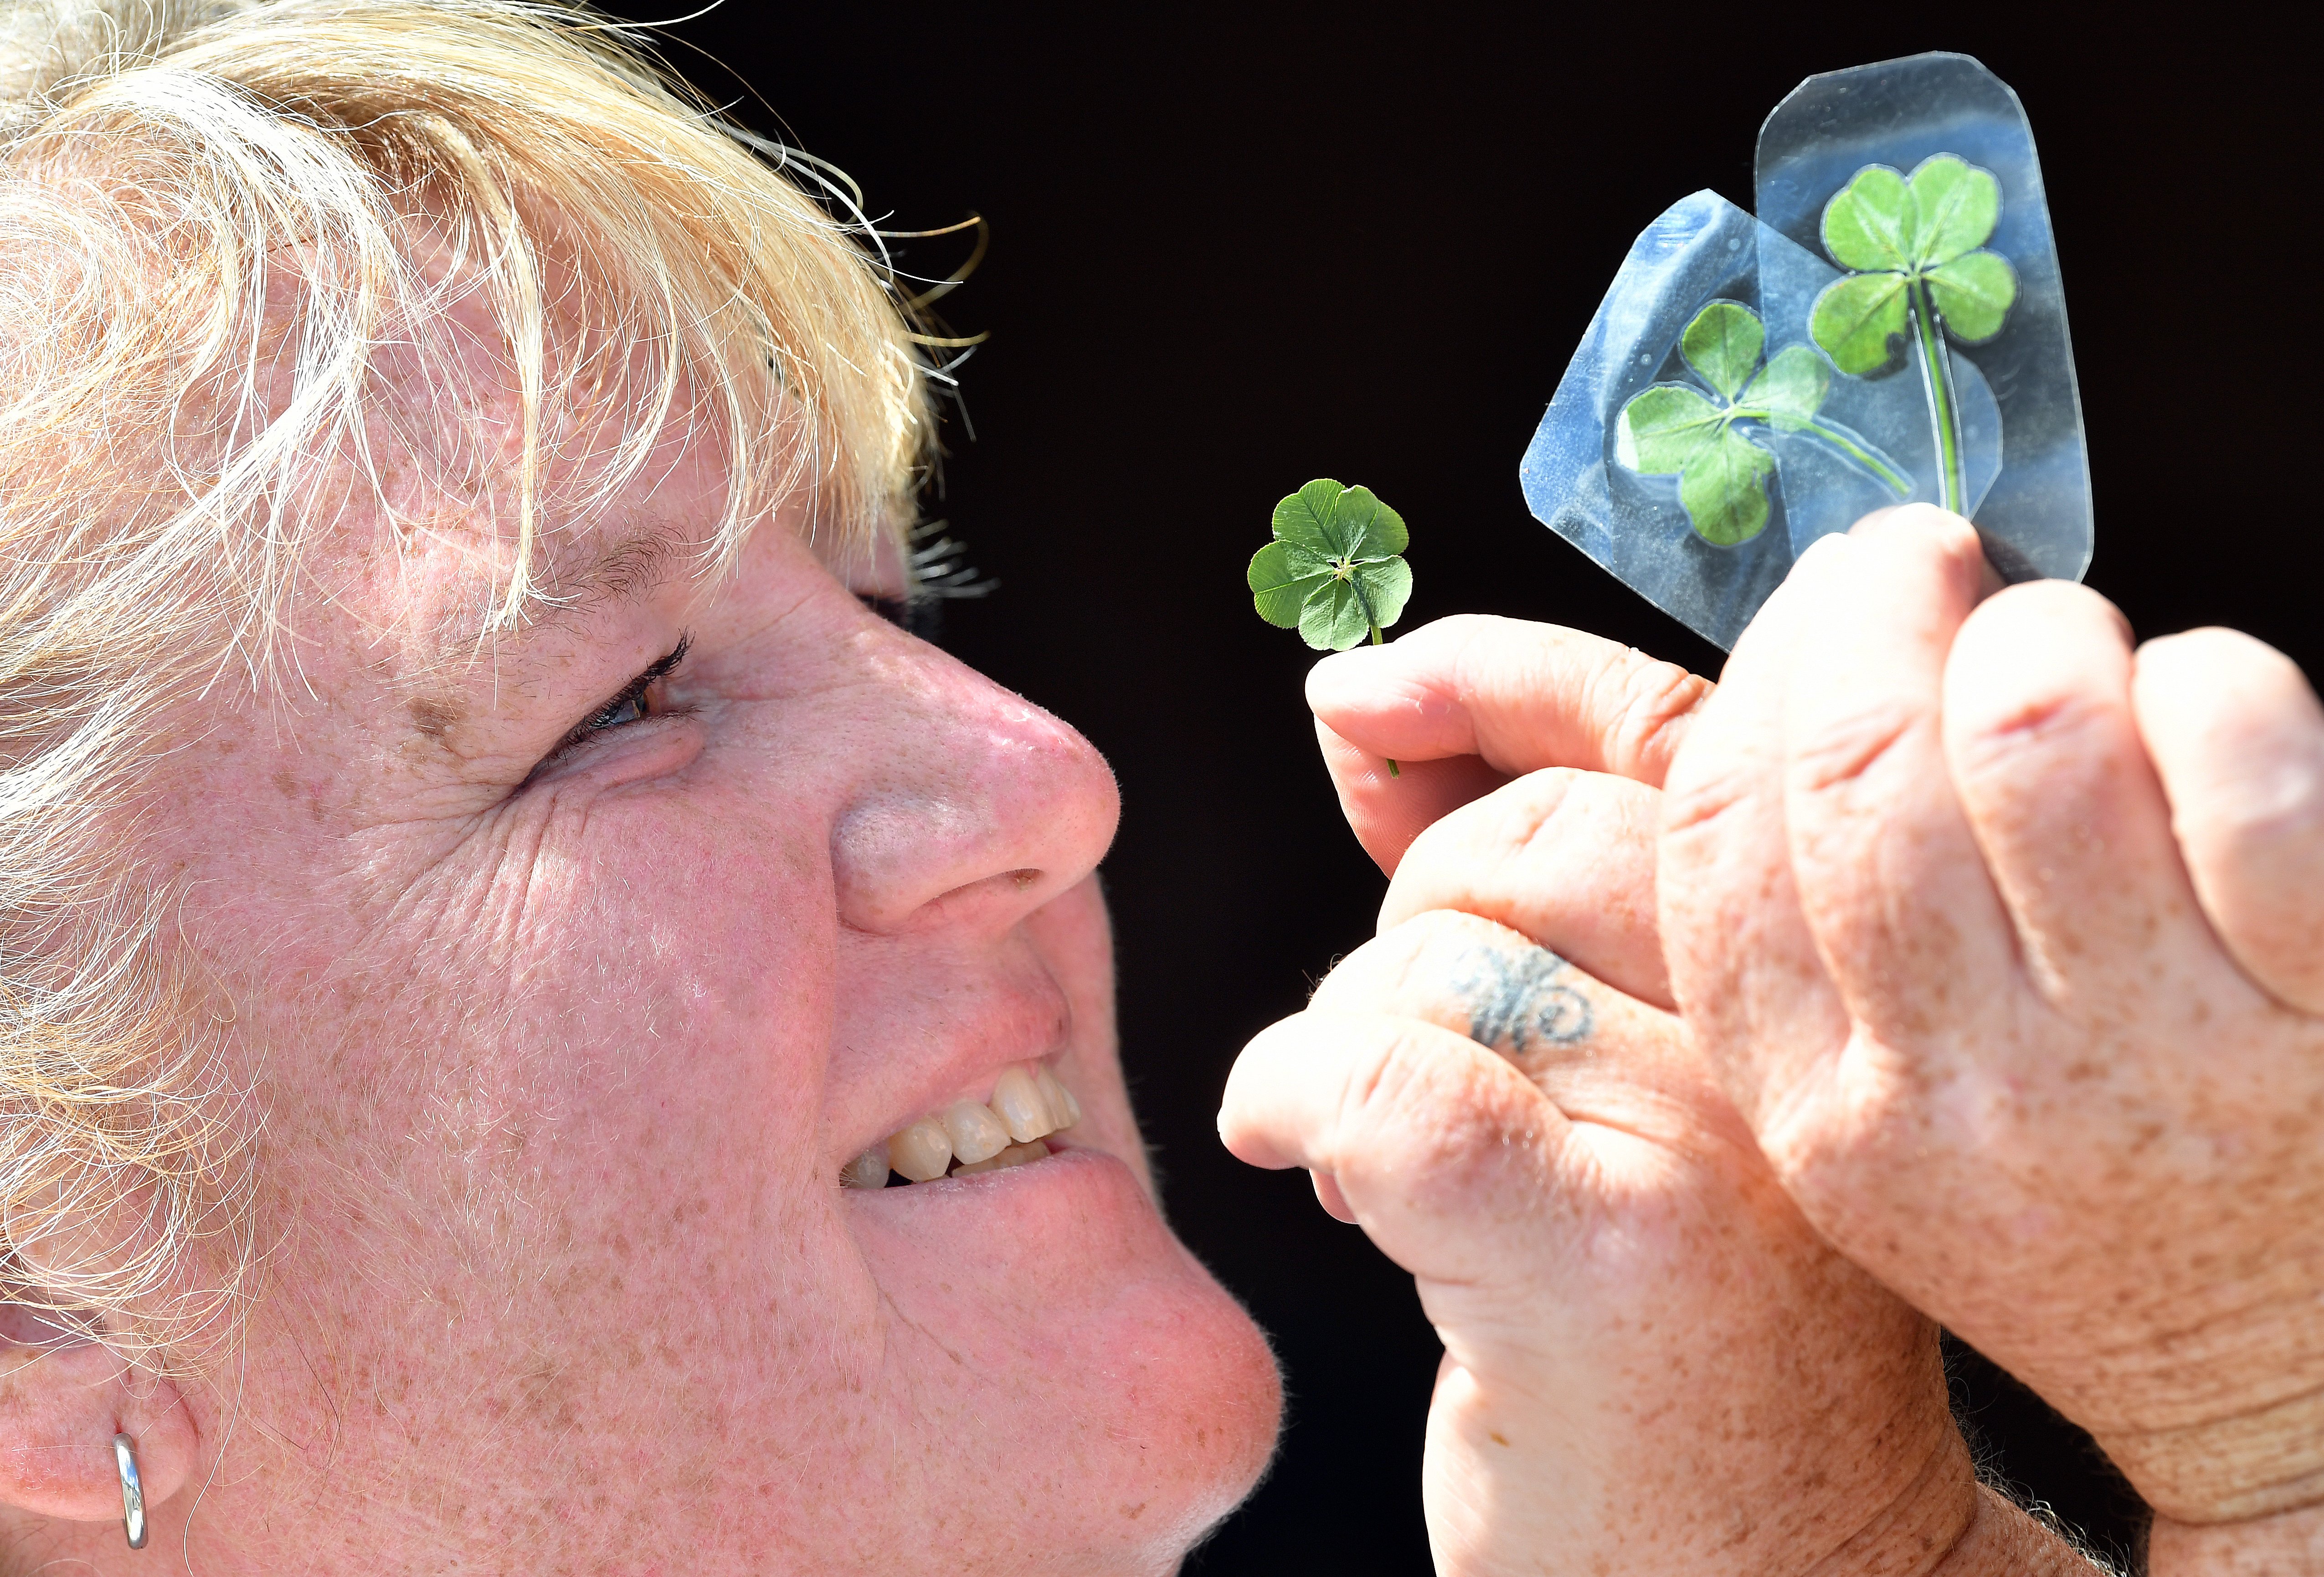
(974, 808)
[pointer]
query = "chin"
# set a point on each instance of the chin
(1096, 1384)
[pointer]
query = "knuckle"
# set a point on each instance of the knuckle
(1924, 526)
(1420, 1110)
(1700, 804)
(2210, 646)
(1353, 984)
(2051, 601)
(1393, 1076)
(1511, 824)
(2264, 824)
(1481, 849)
(1837, 754)
(1402, 969)
(2033, 725)
(1651, 702)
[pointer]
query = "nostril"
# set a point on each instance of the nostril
(1001, 898)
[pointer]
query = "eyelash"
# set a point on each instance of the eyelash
(636, 693)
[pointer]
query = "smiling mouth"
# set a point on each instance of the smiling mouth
(1008, 1130)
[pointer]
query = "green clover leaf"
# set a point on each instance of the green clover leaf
(1868, 225)
(1722, 474)
(1973, 294)
(1857, 320)
(1725, 490)
(1665, 426)
(1791, 389)
(1722, 345)
(1333, 571)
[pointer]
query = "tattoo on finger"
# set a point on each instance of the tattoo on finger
(1517, 1001)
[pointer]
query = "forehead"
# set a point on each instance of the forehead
(421, 599)
(604, 483)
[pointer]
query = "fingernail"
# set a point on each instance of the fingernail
(1923, 516)
(1343, 676)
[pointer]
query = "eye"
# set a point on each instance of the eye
(633, 703)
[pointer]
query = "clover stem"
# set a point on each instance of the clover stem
(1365, 602)
(1862, 457)
(1944, 408)
(1839, 438)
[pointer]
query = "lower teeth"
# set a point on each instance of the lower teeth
(1014, 1155)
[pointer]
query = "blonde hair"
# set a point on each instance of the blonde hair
(208, 211)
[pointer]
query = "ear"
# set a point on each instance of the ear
(63, 1397)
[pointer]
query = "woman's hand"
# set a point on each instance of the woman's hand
(1653, 1364)
(2009, 942)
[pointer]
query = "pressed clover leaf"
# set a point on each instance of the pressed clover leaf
(1792, 390)
(1917, 247)
(1722, 345)
(1335, 571)
(1676, 427)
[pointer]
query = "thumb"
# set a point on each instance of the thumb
(1439, 1147)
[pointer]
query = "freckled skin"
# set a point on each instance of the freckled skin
(1971, 916)
(1655, 1366)
(557, 1083)
(434, 715)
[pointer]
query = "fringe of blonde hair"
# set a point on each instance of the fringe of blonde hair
(206, 211)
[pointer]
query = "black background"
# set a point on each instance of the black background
(1234, 250)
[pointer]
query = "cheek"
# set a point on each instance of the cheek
(587, 1085)
(692, 965)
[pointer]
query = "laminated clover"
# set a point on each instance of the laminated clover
(1722, 474)
(1918, 247)
(1916, 244)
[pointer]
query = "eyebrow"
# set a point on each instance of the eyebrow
(624, 574)
(629, 572)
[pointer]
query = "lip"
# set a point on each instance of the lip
(1020, 1027)
(1077, 1190)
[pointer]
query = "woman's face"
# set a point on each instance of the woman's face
(561, 1051)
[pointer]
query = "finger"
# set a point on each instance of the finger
(1519, 695)
(1565, 857)
(1889, 872)
(1603, 1057)
(2045, 747)
(1743, 964)
(1387, 813)
(1440, 1149)
(2237, 738)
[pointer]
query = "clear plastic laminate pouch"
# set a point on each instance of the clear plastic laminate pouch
(1890, 327)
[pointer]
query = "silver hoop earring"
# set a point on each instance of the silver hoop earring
(133, 1492)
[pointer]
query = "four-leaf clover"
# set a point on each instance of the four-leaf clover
(1722, 474)
(1333, 570)
(1918, 246)
(1914, 244)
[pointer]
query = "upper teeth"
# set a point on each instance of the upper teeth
(1028, 1103)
